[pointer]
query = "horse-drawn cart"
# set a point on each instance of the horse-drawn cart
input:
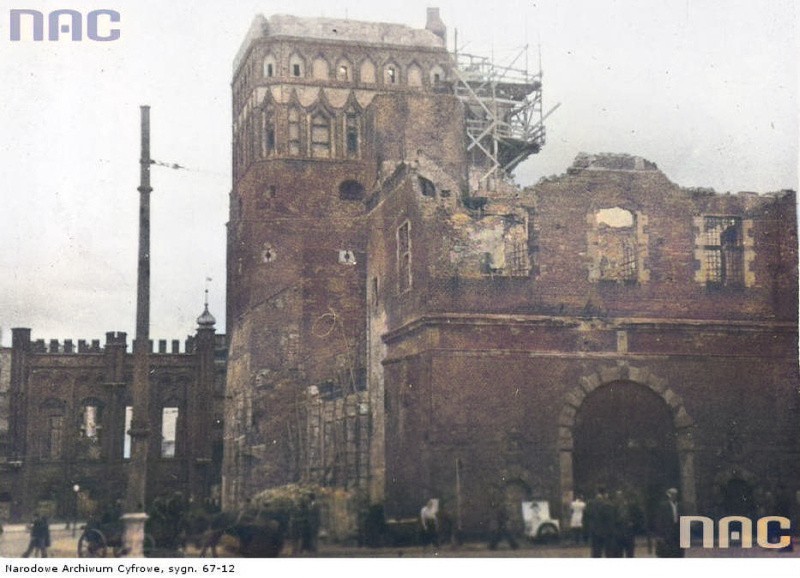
(101, 538)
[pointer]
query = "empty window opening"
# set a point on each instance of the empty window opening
(169, 430)
(126, 443)
(616, 217)
(617, 249)
(90, 421)
(723, 251)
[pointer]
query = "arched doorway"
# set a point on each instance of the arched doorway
(625, 439)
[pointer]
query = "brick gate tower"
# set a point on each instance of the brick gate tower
(323, 109)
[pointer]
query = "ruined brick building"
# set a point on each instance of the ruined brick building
(68, 409)
(405, 321)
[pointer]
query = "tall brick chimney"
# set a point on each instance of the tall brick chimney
(435, 24)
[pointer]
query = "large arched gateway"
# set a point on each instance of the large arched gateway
(624, 429)
(625, 440)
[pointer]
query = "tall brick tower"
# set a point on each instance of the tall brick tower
(323, 110)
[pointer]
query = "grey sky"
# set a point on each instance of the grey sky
(705, 89)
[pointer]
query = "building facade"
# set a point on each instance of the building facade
(406, 321)
(70, 407)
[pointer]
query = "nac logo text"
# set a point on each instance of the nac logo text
(100, 25)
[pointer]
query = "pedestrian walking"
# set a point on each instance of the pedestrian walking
(501, 531)
(668, 527)
(430, 522)
(40, 537)
(599, 519)
(577, 508)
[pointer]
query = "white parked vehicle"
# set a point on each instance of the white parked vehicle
(538, 523)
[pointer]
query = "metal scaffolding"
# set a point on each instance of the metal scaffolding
(503, 106)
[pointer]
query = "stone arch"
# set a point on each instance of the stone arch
(414, 75)
(367, 72)
(270, 66)
(391, 73)
(297, 66)
(344, 70)
(437, 75)
(641, 376)
(320, 69)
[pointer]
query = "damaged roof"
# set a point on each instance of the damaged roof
(337, 29)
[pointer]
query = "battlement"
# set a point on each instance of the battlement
(71, 347)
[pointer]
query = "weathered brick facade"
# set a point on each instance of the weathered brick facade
(494, 369)
(67, 422)
(603, 327)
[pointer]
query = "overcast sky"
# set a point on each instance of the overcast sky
(706, 89)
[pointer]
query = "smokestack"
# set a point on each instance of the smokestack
(435, 24)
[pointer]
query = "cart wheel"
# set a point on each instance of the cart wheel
(149, 545)
(92, 544)
(548, 533)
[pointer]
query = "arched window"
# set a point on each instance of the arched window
(269, 132)
(367, 72)
(320, 135)
(344, 70)
(295, 120)
(169, 430)
(52, 419)
(90, 428)
(437, 75)
(270, 66)
(352, 133)
(414, 76)
(297, 66)
(320, 69)
(391, 73)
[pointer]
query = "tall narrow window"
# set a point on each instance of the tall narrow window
(320, 136)
(404, 257)
(390, 75)
(294, 131)
(614, 246)
(723, 251)
(169, 430)
(296, 66)
(126, 444)
(269, 133)
(351, 133)
(55, 436)
(90, 421)
(270, 66)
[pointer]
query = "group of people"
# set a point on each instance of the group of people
(611, 522)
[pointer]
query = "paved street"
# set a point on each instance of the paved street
(14, 540)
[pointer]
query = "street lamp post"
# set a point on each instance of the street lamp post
(76, 490)
(135, 516)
